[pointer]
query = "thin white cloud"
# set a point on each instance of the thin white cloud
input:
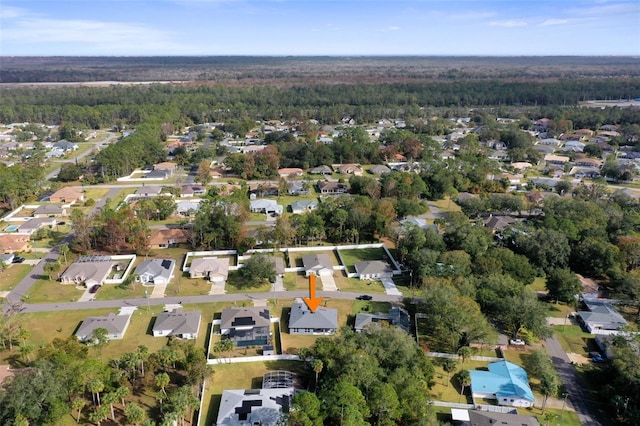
(615, 9)
(393, 28)
(550, 22)
(99, 35)
(508, 24)
(9, 12)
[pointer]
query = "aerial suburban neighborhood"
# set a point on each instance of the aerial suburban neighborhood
(464, 265)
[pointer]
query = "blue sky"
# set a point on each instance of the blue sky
(319, 27)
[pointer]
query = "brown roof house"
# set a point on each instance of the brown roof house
(165, 238)
(350, 169)
(183, 325)
(14, 243)
(67, 194)
(212, 268)
(88, 270)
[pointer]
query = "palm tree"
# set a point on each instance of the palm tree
(548, 387)
(317, 365)
(464, 378)
(63, 249)
(96, 386)
(143, 354)
(25, 351)
(78, 404)
(464, 353)
(122, 392)
(99, 414)
(162, 380)
(135, 414)
(111, 398)
(449, 366)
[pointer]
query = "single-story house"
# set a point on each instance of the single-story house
(158, 174)
(193, 190)
(321, 170)
(263, 205)
(264, 189)
(167, 166)
(419, 222)
(116, 326)
(68, 194)
(278, 265)
(32, 225)
(373, 270)
(148, 191)
(350, 169)
(48, 210)
(247, 326)
(317, 264)
(379, 169)
(90, 270)
(588, 162)
(155, 271)
(303, 206)
(212, 268)
(7, 258)
(556, 160)
(505, 381)
(332, 187)
(303, 321)
(521, 165)
(64, 146)
(297, 187)
(573, 146)
(251, 407)
(601, 316)
(584, 172)
(14, 243)
(188, 207)
(165, 238)
(463, 417)
(184, 325)
(498, 223)
(290, 172)
(396, 316)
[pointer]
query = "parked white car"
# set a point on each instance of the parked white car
(517, 342)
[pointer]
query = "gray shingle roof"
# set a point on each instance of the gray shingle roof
(178, 322)
(302, 317)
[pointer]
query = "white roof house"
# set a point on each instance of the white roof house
(116, 326)
(155, 271)
(263, 205)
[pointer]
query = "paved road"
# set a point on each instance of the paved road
(577, 397)
(286, 295)
(108, 139)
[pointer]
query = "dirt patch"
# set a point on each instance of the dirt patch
(578, 358)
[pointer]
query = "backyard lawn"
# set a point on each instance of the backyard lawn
(295, 257)
(352, 256)
(239, 376)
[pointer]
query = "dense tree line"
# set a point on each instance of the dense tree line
(377, 377)
(66, 377)
(90, 107)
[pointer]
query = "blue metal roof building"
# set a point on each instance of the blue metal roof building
(505, 381)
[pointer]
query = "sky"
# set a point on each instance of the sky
(319, 27)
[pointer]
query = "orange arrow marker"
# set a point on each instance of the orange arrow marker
(311, 301)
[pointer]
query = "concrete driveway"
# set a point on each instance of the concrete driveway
(390, 287)
(328, 283)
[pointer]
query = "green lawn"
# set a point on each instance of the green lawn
(12, 275)
(95, 193)
(351, 257)
(574, 339)
(447, 205)
(295, 257)
(355, 285)
(45, 291)
(114, 292)
(239, 376)
(236, 284)
(538, 284)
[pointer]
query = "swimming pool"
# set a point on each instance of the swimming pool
(12, 228)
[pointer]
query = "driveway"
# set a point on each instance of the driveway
(328, 283)
(390, 287)
(577, 397)
(279, 284)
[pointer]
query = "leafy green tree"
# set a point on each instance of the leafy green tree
(78, 404)
(306, 410)
(464, 353)
(162, 380)
(100, 414)
(134, 413)
(563, 285)
(449, 365)
(70, 172)
(95, 386)
(464, 379)
(345, 404)
(258, 269)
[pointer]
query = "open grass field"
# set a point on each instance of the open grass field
(12, 275)
(236, 284)
(239, 376)
(447, 205)
(538, 284)
(95, 193)
(574, 339)
(113, 292)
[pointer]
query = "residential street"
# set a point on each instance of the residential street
(577, 397)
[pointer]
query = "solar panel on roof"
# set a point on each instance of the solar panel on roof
(240, 321)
